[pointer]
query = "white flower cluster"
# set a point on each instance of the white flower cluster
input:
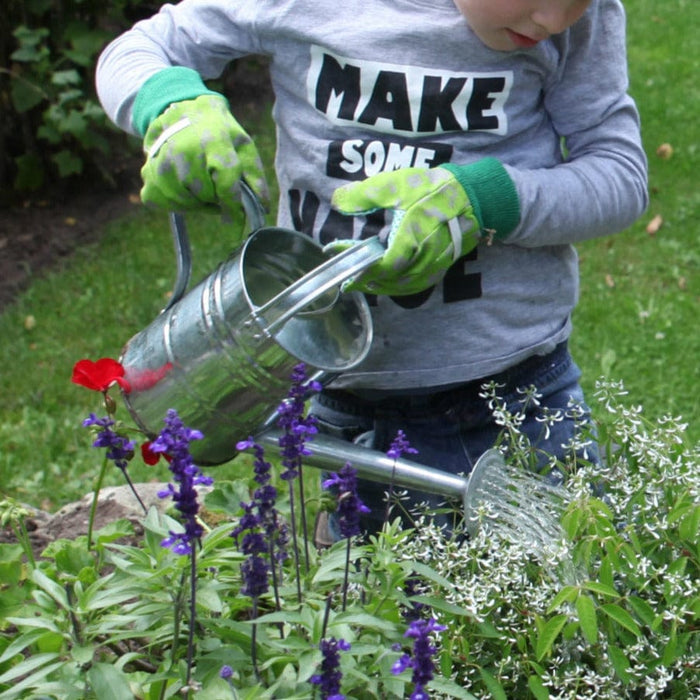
(633, 550)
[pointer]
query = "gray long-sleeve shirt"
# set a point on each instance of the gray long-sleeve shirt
(369, 85)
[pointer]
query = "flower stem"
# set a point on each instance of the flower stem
(95, 499)
(134, 491)
(193, 610)
(177, 617)
(347, 568)
(326, 615)
(302, 507)
(295, 544)
(254, 641)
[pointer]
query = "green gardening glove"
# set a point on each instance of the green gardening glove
(440, 214)
(196, 152)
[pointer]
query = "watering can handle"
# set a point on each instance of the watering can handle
(255, 215)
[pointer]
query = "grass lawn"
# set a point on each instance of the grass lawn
(638, 317)
(637, 320)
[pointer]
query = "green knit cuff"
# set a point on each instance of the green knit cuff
(492, 194)
(173, 84)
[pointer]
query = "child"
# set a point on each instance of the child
(487, 136)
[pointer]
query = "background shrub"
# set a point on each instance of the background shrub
(53, 127)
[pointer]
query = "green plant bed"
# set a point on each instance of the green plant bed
(608, 608)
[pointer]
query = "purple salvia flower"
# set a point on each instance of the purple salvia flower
(261, 524)
(400, 446)
(421, 660)
(174, 440)
(265, 496)
(254, 571)
(295, 426)
(119, 448)
(350, 507)
(330, 677)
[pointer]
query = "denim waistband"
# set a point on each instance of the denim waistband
(522, 375)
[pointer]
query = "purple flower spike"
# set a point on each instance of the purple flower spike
(263, 533)
(400, 446)
(421, 660)
(297, 429)
(174, 440)
(254, 571)
(119, 448)
(330, 676)
(350, 507)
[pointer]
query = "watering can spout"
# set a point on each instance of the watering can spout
(330, 453)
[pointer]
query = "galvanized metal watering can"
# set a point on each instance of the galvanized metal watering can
(222, 353)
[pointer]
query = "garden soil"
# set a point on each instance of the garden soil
(39, 234)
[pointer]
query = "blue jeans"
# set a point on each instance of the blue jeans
(451, 429)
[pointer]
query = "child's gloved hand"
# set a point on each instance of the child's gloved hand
(439, 216)
(196, 154)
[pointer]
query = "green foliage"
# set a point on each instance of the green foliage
(610, 610)
(53, 125)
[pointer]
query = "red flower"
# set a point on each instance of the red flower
(150, 457)
(100, 375)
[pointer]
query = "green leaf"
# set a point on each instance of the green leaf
(670, 652)
(108, 683)
(82, 654)
(25, 95)
(308, 663)
(56, 591)
(66, 77)
(585, 609)
(27, 666)
(601, 589)
(566, 595)
(22, 642)
(493, 686)
(72, 557)
(68, 163)
(450, 689)
(29, 54)
(537, 688)
(642, 610)
(690, 525)
(364, 620)
(42, 622)
(622, 617)
(442, 606)
(679, 565)
(548, 635)
(30, 37)
(620, 663)
(208, 597)
(430, 574)
(227, 497)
